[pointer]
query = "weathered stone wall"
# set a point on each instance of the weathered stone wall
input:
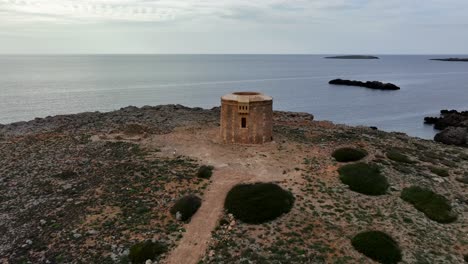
(259, 123)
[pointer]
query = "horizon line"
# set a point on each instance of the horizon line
(310, 54)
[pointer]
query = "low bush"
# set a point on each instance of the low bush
(463, 179)
(66, 174)
(186, 206)
(364, 178)
(377, 246)
(349, 154)
(435, 206)
(141, 252)
(135, 129)
(397, 156)
(258, 203)
(462, 156)
(205, 172)
(439, 171)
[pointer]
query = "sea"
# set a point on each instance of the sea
(43, 85)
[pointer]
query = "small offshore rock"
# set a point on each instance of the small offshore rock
(371, 85)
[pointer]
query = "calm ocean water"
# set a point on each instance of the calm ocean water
(38, 86)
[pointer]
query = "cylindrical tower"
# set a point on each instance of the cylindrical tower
(246, 118)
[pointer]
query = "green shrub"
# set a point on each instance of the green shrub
(135, 129)
(463, 179)
(205, 172)
(377, 246)
(187, 206)
(258, 203)
(364, 178)
(66, 174)
(442, 172)
(349, 154)
(433, 205)
(143, 251)
(463, 156)
(397, 156)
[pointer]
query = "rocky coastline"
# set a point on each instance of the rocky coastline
(85, 188)
(453, 126)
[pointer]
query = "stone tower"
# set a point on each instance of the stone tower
(246, 118)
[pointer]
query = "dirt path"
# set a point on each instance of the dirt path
(233, 164)
(198, 232)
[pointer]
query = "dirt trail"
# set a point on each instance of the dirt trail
(233, 164)
(198, 232)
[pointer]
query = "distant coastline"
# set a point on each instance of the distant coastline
(452, 59)
(354, 57)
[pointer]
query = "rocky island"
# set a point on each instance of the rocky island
(371, 85)
(354, 57)
(148, 185)
(452, 59)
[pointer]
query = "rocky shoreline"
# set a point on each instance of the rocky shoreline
(84, 188)
(453, 126)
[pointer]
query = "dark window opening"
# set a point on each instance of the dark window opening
(244, 122)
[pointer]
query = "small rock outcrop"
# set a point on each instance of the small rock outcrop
(454, 126)
(452, 136)
(371, 85)
(448, 118)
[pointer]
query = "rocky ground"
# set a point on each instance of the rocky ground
(69, 198)
(84, 188)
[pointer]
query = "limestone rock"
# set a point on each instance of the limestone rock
(453, 136)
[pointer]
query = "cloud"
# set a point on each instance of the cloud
(243, 26)
(163, 10)
(92, 11)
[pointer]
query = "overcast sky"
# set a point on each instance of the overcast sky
(234, 26)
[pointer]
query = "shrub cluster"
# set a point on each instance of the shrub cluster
(463, 179)
(442, 172)
(135, 129)
(364, 178)
(205, 172)
(349, 154)
(141, 252)
(66, 174)
(377, 246)
(397, 156)
(435, 206)
(258, 203)
(186, 206)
